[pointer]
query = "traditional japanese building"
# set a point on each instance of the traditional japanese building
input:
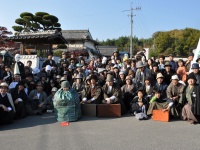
(39, 42)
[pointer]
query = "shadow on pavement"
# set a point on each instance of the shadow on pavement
(30, 121)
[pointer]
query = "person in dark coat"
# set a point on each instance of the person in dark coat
(128, 92)
(63, 60)
(30, 83)
(174, 65)
(188, 63)
(49, 61)
(121, 81)
(196, 73)
(191, 101)
(93, 92)
(37, 100)
(139, 104)
(167, 73)
(7, 108)
(20, 99)
(50, 99)
(112, 93)
(160, 85)
(141, 73)
(7, 75)
(148, 88)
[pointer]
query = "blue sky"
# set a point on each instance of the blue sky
(105, 19)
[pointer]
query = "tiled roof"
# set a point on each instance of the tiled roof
(44, 37)
(76, 34)
(107, 50)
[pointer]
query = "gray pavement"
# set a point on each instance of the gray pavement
(91, 133)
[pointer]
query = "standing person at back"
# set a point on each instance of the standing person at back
(188, 62)
(63, 60)
(19, 66)
(141, 73)
(161, 64)
(196, 73)
(173, 64)
(49, 61)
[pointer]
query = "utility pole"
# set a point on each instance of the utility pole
(131, 35)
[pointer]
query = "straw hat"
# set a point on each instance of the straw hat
(159, 75)
(175, 77)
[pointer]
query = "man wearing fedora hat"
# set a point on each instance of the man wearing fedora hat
(167, 72)
(111, 91)
(196, 73)
(141, 73)
(189, 61)
(7, 108)
(80, 70)
(93, 92)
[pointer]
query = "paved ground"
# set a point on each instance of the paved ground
(90, 133)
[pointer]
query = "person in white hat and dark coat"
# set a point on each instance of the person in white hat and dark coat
(160, 85)
(175, 93)
(7, 108)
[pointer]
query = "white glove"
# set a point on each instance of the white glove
(20, 100)
(84, 99)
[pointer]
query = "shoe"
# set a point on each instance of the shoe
(39, 113)
(191, 122)
(184, 118)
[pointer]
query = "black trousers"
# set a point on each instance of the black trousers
(20, 110)
(6, 117)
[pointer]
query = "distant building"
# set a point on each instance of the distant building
(79, 39)
(107, 50)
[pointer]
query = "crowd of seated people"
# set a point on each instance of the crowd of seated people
(139, 85)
